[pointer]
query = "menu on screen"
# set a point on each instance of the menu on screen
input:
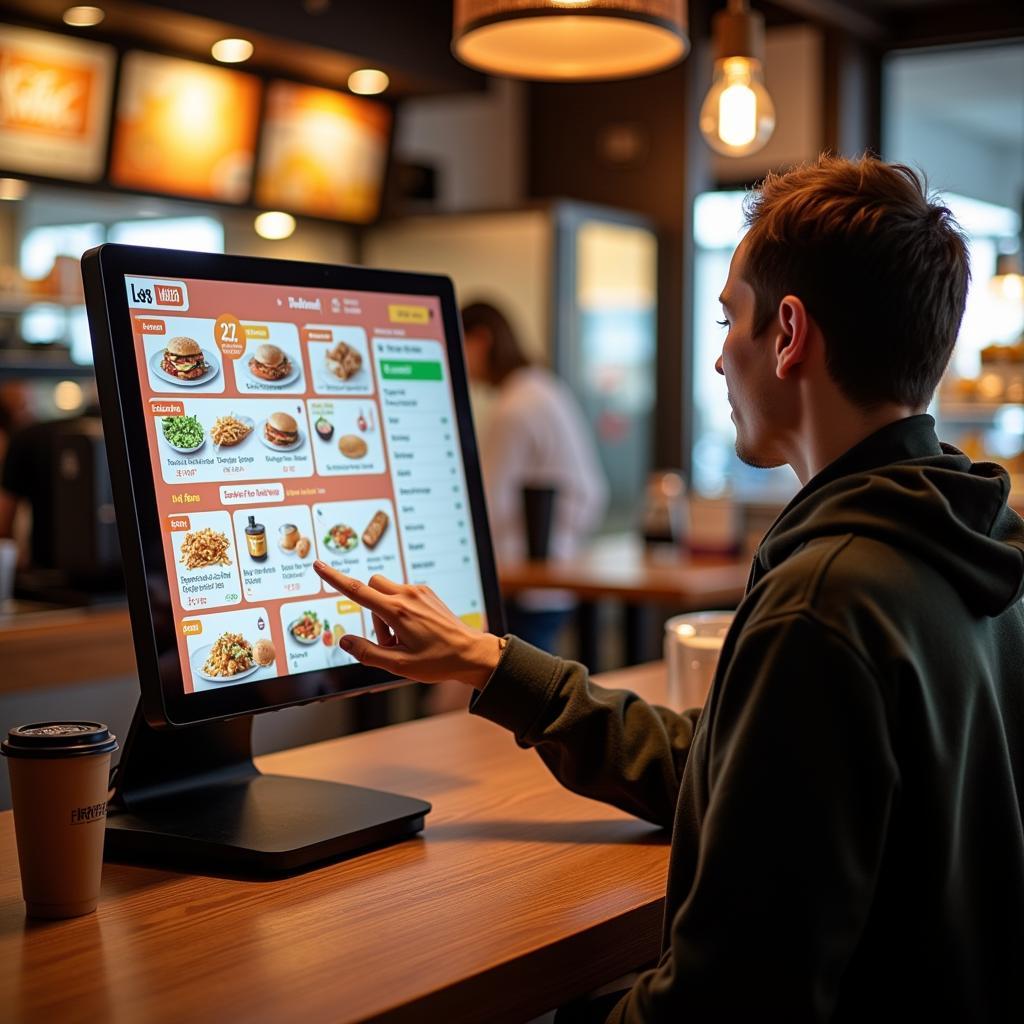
(286, 425)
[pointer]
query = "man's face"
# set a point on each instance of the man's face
(761, 405)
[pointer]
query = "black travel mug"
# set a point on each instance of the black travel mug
(539, 513)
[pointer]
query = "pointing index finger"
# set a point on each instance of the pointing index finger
(377, 602)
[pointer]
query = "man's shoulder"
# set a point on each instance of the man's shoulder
(833, 575)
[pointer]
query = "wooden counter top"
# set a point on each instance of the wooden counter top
(518, 896)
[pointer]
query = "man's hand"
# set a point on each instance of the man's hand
(418, 637)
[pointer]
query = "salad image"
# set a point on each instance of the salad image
(183, 433)
(341, 538)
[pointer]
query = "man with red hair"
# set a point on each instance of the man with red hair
(846, 809)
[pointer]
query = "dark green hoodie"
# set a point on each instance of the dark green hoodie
(847, 809)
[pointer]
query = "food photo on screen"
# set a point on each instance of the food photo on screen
(181, 354)
(281, 430)
(205, 558)
(347, 436)
(338, 359)
(184, 360)
(227, 648)
(275, 545)
(313, 632)
(272, 362)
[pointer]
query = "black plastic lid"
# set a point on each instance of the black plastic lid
(59, 739)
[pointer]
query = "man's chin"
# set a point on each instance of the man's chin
(757, 460)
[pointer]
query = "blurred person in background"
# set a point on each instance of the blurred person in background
(535, 435)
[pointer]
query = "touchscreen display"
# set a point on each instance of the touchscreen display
(285, 425)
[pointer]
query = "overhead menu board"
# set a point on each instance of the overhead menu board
(54, 104)
(322, 153)
(184, 128)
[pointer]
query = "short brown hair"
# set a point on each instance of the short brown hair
(505, 354)
(881, 267)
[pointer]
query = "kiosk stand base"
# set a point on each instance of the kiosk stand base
(193, 798)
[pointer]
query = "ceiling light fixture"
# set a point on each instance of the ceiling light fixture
(738, 116)
(231, 51)
(274, 225)
(570, 40)
(83, 17)
(368, 82)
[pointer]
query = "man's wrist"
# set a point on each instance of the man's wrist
(484, 657)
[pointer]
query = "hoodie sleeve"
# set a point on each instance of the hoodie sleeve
(802, 780)
(605, 744)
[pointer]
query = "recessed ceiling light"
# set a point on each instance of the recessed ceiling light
(274, 225)
(231, 51)
(13, 188)
(83, 17)
(368, 81)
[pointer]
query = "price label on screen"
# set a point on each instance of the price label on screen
(229, 335)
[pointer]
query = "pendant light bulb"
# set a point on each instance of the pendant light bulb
(737, 117)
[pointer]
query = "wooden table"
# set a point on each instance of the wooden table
(619, 567)
(517, 897)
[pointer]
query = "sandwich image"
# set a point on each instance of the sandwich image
(183, 358)
(269, 363)
(375, 529)
(281, 430)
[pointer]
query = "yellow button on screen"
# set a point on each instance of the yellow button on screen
(408, 314)
(473, 619)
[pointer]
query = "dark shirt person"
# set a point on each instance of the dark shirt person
(846, 809)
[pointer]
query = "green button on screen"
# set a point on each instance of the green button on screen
(392, 369)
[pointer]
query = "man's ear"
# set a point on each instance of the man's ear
(791, 336)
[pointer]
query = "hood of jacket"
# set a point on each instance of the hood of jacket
(902, 487)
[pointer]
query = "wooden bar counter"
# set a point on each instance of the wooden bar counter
(517, 897)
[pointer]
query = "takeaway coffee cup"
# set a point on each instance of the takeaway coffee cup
(538, 511)
(692, 645)
(59, 784)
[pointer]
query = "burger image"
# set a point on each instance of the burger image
(183, 358)
(268, 362)
(281, 430)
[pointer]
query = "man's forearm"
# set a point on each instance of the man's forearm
(605, 744)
